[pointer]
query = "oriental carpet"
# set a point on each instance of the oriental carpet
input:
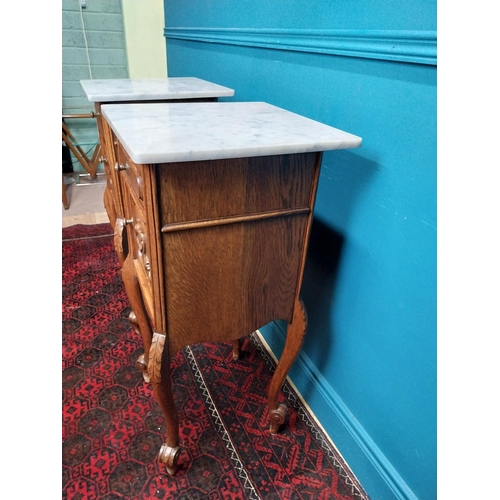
(112, 427)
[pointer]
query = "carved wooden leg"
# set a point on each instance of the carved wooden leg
(236, 349)
(162, 386)
(294, 336)
(142, 360)
(64, 195)
(138, 317)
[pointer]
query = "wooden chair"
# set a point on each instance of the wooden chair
(64, 195)
(89, 164)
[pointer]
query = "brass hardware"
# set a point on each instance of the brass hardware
(102, 159)
(126, 222)
(147, 265)
(119, 167)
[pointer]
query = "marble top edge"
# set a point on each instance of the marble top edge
(183, 156)
(175, 132)
(147, 89)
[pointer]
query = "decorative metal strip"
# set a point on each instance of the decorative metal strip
(391, 45)
(340, 466)
(242, 473)
(181, 226)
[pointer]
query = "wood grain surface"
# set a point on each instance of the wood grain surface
(233, 239)
(192, 191)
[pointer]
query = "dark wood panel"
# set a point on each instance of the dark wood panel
(193, 191)
(225, 282)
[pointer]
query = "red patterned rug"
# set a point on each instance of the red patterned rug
(113, 428)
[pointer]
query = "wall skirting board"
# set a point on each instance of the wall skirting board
(373, 469)
(392, 45)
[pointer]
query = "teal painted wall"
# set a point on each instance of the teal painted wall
(337, 14)
(368, 364)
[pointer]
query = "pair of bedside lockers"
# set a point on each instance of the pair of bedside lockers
(211, 204)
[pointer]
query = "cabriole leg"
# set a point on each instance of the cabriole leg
(294, 336)
(138, 317)
(236, 349)
(162, 386)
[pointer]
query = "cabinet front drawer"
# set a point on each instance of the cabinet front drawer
(202, 190)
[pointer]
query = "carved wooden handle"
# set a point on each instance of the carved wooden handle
(155, 357)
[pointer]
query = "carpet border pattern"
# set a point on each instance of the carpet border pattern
(291, 395)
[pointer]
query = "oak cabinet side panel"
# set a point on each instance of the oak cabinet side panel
(225, 282)
(192, 191)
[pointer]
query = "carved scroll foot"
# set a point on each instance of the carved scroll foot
(133, 319)
(277, 417)
(143, 366)
(159, 371)
(169, 457)
(294, 336)
(236, 349)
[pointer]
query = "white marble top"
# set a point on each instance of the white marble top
(161, 133)
(150, 89)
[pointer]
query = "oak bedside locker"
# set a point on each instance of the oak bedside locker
(212, 204)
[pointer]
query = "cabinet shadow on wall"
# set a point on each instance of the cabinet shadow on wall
(351, 174)
(318, 287)
(344, 178)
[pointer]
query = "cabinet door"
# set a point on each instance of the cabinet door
(139, 193)
(139, 243)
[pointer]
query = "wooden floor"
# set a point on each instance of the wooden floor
(85, 219)
(85, 203)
